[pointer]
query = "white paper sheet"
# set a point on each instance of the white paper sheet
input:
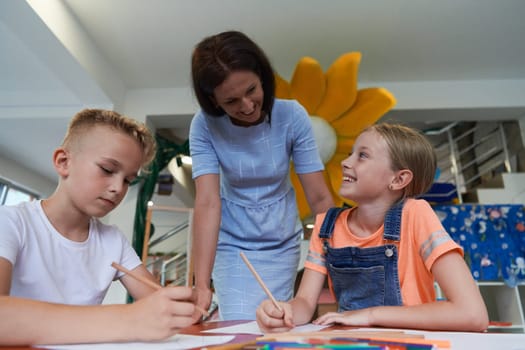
(253, 328)
(178, 341)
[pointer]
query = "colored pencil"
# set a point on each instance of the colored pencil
(403, 343)
(341, 334)
(148, 282)
(234, 346)
(261, 282)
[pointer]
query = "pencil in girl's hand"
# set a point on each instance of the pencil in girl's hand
(148, 282)
(261, 282)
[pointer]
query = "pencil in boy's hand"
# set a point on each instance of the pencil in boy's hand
(259, 279)
(148, 282)
(136, 276)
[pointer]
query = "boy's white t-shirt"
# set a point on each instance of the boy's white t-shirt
(49, 267)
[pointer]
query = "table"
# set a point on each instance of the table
(193, 330)
(200, 327)
(459, 340)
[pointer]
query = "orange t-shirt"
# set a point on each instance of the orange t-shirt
(422, 241)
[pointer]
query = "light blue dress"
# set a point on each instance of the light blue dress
(259, 211)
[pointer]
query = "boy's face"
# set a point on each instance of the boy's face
(100, 168)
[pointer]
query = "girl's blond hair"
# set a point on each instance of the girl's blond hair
(409, 149)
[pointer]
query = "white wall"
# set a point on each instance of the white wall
(26, 178)
(512, 192)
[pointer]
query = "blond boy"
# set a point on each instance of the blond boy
(56, 255)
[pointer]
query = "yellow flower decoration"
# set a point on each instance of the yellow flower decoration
(339, 112)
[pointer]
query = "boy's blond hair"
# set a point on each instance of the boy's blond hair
(89, 118)
(409, 149)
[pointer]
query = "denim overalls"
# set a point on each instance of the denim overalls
(364, 277)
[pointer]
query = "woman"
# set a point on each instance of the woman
(241, 142)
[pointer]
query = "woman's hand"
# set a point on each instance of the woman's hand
(271, 320)
(202, 297)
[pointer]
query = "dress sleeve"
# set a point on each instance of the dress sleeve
(203, 154)
(305, 154)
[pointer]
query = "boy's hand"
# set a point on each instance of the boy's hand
(162, 314)
(271, 320)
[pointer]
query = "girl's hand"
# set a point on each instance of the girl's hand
(271, 320)
(348, 318)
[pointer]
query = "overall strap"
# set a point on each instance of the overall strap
(327, 227)
(393, 222)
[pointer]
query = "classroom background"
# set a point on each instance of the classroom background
(455, 68)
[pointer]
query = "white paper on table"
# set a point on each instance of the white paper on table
(178, 341)
(253, 328)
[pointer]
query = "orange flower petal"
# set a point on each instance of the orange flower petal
(334, 97)
(333, 190)
(302, 202)
(369, 107)
(341, 86)
(336, 178)
(335, 174)
(345, 144)
(308, 84)
(282, 88)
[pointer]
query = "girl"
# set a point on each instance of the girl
(383, 256)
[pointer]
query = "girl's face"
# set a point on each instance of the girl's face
(367, 172)
(241, 97)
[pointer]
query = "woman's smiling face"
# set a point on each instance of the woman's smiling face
(241, 97)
